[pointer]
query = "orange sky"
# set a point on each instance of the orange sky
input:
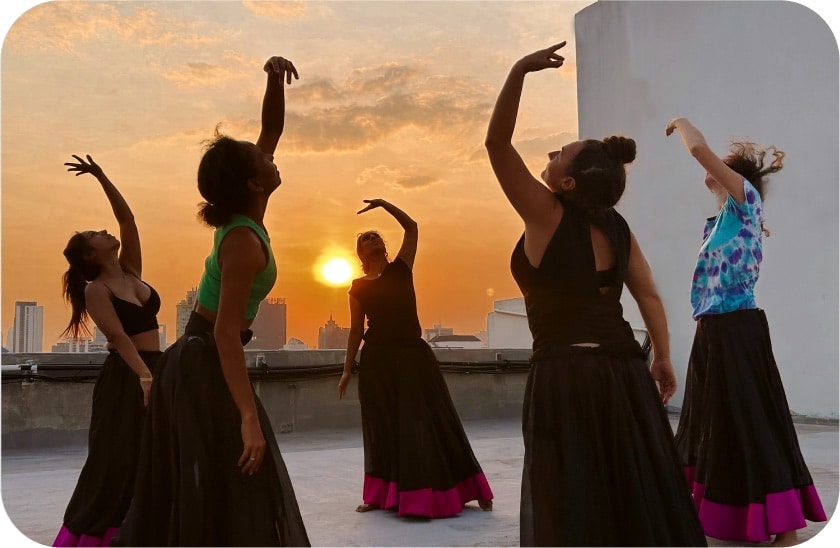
(393, 102)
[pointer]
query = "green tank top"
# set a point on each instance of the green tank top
(211, 280)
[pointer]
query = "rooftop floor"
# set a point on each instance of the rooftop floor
(326, 468)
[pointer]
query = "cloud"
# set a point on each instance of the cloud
(65, 26)
(277, 11)
(375, 103)
(200, 74)
(396, 178)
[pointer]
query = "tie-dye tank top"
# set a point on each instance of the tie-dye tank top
(729, 259)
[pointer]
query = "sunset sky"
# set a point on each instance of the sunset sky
(393, 102)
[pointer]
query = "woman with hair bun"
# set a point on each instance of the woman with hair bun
(211, 473)
(600, 467)
(103, 283)
(736, 438)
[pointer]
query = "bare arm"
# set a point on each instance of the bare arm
(273, 116)
(241, 257)
(357, 329)
(696, 144)
(640, 283)
(530, 198)
(130, 257)
(408, 248)
(101, 310)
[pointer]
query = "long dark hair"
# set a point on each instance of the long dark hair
(598, 170)
(223, 175)
(74, 282)
(747, 160)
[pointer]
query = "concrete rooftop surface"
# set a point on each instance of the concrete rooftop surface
(326, 467)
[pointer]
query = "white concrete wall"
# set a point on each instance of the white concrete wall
(767, 71)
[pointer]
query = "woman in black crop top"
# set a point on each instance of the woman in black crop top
(103, 284)
(418, 460)
(600, 465)
(211, 472)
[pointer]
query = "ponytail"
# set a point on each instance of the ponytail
(75, 281)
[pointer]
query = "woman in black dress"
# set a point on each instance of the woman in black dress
(600, 464)
(418, 460)
(104, 284)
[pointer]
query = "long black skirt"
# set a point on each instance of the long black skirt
(418, 460)
(736, 438)
(106, 484)
(190, 491)
(600, 464)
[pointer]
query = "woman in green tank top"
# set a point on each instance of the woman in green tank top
(211, 472)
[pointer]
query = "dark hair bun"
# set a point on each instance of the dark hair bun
(622, 149)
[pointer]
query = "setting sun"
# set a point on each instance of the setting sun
(337, 271)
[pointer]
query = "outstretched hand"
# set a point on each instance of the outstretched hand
(85, 167)
(372, 204)
(543, 59)
(281, 67)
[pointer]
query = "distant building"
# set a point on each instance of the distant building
(507, 325)
(296, 344)
(269, 326)
(182, 312)
(28, 333)
(332, 335)
(483, 336)
(162, 336)
(78, 346)
(437, 331)
(456, 341)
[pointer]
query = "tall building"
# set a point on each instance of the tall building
(269, 326)
(332, 335)
(437, 331)
(162, 335)
(182, 312)
(29, 327)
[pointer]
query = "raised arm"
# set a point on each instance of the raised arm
(640, 283)
(357, 329)
(241, 257)
(274, 102)
(408, 249)
(530, 198)
(131, 259)
(696, 144)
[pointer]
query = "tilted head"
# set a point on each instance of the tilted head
(368, 245)
(590, 174)
(232, 175)
(747, 160)
(85, 252)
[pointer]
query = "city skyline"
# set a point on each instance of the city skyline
(393, 110)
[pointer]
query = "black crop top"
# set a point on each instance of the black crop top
(563, 296)
(137, 318)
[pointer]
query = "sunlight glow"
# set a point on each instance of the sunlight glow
(337, 271)
(335, 267)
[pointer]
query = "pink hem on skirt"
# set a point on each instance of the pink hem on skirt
(782, 511)
(425, 502)
(66, 538)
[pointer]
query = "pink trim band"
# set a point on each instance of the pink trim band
(755, 522)
(425, 502)
(66, 538)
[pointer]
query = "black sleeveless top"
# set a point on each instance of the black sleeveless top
(390, 305)
(137, 318)
(562, 296)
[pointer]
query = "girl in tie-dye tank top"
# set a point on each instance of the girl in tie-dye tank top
(736, 439)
